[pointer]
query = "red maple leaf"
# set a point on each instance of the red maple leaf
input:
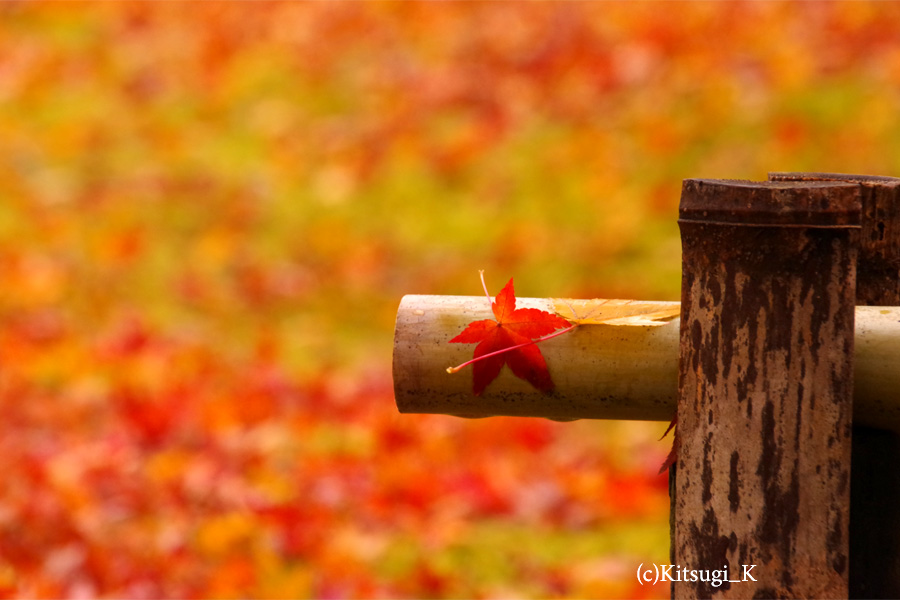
(510, 340)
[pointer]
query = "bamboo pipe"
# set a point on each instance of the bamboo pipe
(620, 363)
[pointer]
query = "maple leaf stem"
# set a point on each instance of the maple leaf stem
(490, 354)
(484, 285)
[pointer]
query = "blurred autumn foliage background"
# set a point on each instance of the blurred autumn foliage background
(211, 210)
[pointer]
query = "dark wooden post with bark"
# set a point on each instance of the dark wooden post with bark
(766, 386)
(875, 466)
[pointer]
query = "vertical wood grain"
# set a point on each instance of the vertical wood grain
(765, 382)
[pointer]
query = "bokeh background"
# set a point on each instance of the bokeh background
(210, 211)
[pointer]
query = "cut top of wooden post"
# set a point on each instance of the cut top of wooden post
(817, 204)
(878, 269)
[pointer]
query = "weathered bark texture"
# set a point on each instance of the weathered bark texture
(875, 478)
(765, 378)
(878, 269)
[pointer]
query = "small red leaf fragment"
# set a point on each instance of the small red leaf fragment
(670, 427)
(516, 331)
(673, 453)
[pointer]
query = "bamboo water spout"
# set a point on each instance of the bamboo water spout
(620, 363)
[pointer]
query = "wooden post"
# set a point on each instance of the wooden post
(765, 381)
(875, 479)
